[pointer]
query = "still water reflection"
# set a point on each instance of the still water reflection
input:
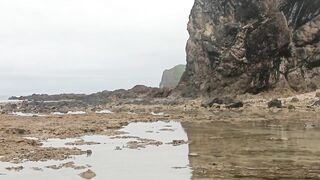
(216, 150)
(254, 150)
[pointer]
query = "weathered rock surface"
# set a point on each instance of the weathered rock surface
(171, 77)
(250, 46)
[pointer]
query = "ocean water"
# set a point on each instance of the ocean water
(4, 97)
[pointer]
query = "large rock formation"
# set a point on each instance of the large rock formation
(240, 46)
(171, 77)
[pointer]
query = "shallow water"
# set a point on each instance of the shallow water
(108, 162)
(254, 150)
(217, 150)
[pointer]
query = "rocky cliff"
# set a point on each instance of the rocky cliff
(250, 46)
(171, 77)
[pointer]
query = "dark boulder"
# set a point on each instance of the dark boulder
(294, 100)
(237, 104)
(275, 103)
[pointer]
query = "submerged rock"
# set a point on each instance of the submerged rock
(17, 169)
(89, 174)
(241, 46)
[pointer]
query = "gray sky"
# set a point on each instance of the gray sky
(83, 46)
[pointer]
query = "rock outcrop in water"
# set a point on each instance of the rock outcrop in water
(171, 77)
(250, 46)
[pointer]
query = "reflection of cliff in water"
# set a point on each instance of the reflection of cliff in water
(253, 150)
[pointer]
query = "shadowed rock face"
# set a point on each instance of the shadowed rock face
(240, 46)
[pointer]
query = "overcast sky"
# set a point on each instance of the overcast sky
(83, 46)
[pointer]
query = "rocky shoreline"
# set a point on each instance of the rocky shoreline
(114, 115)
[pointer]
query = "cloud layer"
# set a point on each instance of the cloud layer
(84, 46)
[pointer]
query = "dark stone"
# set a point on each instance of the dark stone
(294, 100)
(238, 104)
(275, 104)
(291, 107)
(220, 101)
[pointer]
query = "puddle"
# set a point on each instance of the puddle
(157, 114)
(27, 114)
(58, 113)
(76, 112)
(104, 112)
(113, 159)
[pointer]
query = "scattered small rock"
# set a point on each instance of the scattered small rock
(166, 129)
(36, 169)
(17, 131)
(291, 107)
(89, 174)
(89, 152)
(295, 100)
(237, 104)
(211, 102)
(142, 143)
(179, 167)
(193, 154)
(66, 165)
(275, 103)
(178, 142)
(17, 169)
(80, 143)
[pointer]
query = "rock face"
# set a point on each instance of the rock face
(250, 46)
(171, 77)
